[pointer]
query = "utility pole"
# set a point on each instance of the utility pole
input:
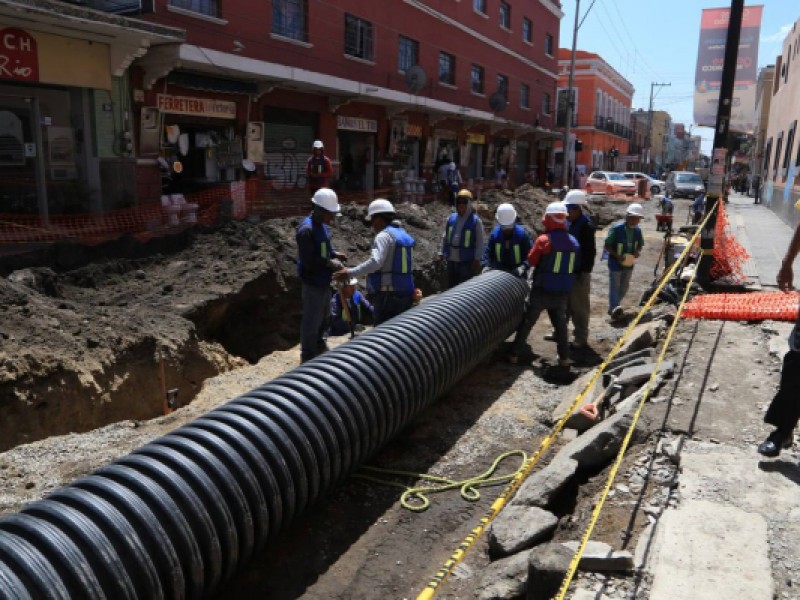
(650, 124)
(566, 171)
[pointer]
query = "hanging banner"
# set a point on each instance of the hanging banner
(710, 60)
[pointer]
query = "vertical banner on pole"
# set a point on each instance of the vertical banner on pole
(710, 60)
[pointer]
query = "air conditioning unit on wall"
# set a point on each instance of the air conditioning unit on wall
(255, 141)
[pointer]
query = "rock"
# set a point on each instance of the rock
(672, 450)
(547, 565)
(641, 373)
(598, 556)
(602, 442)
(505, 579)
(543, 486)
(518, 528)
(641, 337)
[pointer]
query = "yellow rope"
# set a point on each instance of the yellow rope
(458, 555)
(416, 498)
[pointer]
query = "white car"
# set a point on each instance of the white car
(656, 186)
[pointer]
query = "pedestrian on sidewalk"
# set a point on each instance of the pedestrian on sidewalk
(462, 241)
(784, 410)
(555, 257)
(623, 245)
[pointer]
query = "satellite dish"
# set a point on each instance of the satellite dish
(415, 79)
(498, 101)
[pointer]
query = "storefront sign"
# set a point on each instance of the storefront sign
(201, 107)
(19, 55)
(414, 131)
(356, 124)
(476, 138)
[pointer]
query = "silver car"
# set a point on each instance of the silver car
(684, 183)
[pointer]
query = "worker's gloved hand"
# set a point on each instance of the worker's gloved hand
(521, 271)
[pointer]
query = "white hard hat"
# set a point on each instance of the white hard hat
(379, 206)
(575, 197)
(506, 214)
(317, 144)
(555, 209)
(352, 281)
(326, 198)
(635, 210)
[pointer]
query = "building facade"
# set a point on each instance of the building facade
(601, 117)
(658, 128)
(766, 79)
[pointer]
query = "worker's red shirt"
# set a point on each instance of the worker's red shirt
(542, 244)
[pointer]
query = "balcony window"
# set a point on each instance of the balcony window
(210, 8)
(477, 79)
(525, 95)
(407, 53)
(527, 30)
(505, 15)
(548, 44)
(479, 6)
(357, 38)
(502, 84)
(447, 68)
(547, 104)
(290, 19)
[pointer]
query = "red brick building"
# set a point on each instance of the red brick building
(601, 120)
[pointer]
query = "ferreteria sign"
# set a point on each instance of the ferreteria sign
(200, 107)
(356, 124)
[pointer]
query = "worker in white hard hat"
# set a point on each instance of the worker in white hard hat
(462, 241)
(389, 269)
(555, 257)
(509, 243)
(623, 245)
(583, 230)
(316, 262)
(349, 309)
(319, 169)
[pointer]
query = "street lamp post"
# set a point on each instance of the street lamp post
(566, 172)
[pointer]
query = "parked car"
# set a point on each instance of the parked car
(656, 186)
(685, 184)
(608, 182)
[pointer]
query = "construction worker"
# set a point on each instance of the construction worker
(623, 244)
(349, 308)
(509, 243)
(583, 230)
(555, 257)
(316, 261)
(390, 281)
(318, 168)
(462, 241)
(784, 410)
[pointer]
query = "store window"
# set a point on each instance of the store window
(407, 53)
(209, 8)
(290, 19)
(477, 79)
(447, 68)
(358, 38)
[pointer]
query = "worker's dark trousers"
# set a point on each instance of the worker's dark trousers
(387, 305)
(784, 411)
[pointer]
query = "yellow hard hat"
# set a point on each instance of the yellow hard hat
(464, 194)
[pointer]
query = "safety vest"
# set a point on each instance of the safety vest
(402, 278)
(467, 247)
(509, 258)
(317, 165)
(556, 270)
(622, 246)
(322, 248)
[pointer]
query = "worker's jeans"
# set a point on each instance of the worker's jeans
(579, 307)
(316, 314)
(386, 305)
(784, 411)
(458, 272)
(556, 306)
(618, 282)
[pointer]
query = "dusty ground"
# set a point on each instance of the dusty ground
(82, 348)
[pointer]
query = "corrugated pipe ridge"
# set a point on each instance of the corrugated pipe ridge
(176, 517)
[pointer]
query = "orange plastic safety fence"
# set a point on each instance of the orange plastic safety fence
(773, 306)
(729, 255)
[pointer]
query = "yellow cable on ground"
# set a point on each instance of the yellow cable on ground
(416, 498)
(576, 558)
(458, 555)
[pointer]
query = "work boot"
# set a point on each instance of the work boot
(775, 442)
(618, 313)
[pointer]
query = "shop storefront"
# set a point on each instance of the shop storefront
(476, 143)
(356, 143)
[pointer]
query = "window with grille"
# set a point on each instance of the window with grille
(527, 30)
(357, 37)
(505, 15)
(290, 19)
(479, 6)
(525, 95)
(204, 7)
(407, 53)
(477, 79)
(548, 44)
(447, 68)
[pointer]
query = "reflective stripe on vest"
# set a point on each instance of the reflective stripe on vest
(324, 249)
(557, 263)
(498, 252)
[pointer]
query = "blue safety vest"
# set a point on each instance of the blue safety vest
(467, 246)
(509, 258)
(402, 266)
(322, 248)
(556, 270)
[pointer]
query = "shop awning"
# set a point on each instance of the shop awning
(212, 84)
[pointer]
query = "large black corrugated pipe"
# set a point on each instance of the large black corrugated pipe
(175, 518)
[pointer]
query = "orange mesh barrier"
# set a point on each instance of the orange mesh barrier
(773, 306)
(729, 255)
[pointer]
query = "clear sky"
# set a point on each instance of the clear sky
(650, 41)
